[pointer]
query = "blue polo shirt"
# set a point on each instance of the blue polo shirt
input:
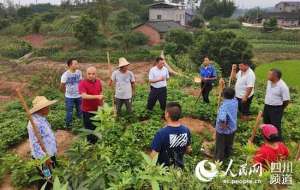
(207, 72)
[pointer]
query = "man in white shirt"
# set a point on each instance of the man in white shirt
(158, 76)
(244, 88)
(276, 100)
(69, 85)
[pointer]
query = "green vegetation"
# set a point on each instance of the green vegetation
(13, 48)
(86, 31)
(291, 73)
(121, 164)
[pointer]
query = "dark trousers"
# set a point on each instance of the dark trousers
(206, 88)
(119, 104)
(70, 104)
(224, 145)
(244, 107)
(159, 94)
(273, 115)
(41, 182)
(87, 122)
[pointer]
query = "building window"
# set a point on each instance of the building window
(158, 17)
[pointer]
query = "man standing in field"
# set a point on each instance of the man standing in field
(244, 88)
(69, 84)
(124, 86)
(226, 125)
(276, 100)
(158, 76)
(90, 90)
(42, 140)
(172, 141)
(208, 75)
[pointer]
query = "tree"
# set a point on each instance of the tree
(270, 25)
(198, 21)
(179, 41)
(86, 30)
(103, 9)
(124, 20)
(36, 25)
(212, 8)
(129, 40)
(224, 47)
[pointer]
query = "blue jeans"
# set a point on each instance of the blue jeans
(70, 103)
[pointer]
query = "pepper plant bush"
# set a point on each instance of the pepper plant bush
(119, 160)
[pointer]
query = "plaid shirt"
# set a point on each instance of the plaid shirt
(47, 135)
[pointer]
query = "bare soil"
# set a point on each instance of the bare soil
(197, 126)
(14, 75)
(63, 139)
(36, 40)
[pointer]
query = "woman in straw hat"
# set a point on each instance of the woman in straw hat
(42, 141)
(125, 86)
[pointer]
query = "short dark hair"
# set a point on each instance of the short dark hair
(70, 61)
(158, 59)
(277, 72)
(273, 138)
(228, 93)
(174, 110)
(246, 62)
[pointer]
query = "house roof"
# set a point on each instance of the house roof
(163, 26)
(291, 3)
(164, 5)
(282, 15)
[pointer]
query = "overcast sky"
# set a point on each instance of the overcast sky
(239, 3)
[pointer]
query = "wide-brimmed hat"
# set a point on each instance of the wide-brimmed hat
(39, 103)
(123, 62)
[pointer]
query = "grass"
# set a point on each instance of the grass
(290, 71)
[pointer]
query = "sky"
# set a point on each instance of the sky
(240, 3)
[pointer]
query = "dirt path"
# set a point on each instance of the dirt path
(64, 140)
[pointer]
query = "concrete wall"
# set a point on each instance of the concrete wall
(177, 15)
(287, 8)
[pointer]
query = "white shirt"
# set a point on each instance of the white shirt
(277, 93)
(71, 81)
(155, 73)
(244, 80)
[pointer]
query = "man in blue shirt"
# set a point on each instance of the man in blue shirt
(208, 75)
(226, 125)
(172, 141)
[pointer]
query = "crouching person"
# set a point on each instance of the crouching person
(226, 125)
(172, 141)
(42, 139)
(273, 149)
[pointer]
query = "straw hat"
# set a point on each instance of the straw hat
(39, 103)
(123, 62)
